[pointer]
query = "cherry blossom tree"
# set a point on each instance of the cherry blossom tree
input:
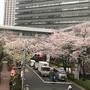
(64, 45)
(74, 44)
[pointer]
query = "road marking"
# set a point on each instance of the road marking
(26, 70)
(48, 81)
(57, 82)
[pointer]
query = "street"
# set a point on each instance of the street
(35, 82)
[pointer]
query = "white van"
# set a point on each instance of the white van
(44, 68)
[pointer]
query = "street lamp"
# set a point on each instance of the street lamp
(23, 67)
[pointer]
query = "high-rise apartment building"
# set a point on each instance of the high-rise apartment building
(9, 15)
(51, 13)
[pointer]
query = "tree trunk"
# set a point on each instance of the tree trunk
(48, 58)
(77, 71)
(84, 75)
(64, 64)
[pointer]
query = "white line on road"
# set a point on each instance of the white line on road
(57, 82)
(48, 81)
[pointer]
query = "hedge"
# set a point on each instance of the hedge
(84, 83)
(0, 65)
(16, 80)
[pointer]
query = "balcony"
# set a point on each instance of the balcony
(55, 19)
(64, 12)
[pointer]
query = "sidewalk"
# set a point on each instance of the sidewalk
(5, 76)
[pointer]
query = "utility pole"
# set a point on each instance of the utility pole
(23, 67)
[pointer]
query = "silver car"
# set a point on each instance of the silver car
(60, 74)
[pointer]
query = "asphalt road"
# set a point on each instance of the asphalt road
(35, 82)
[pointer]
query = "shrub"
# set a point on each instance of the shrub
(16, 81)
(0, 65)
(10, 64)
(81, 82)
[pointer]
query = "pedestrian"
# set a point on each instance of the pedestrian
(54, 78)
(69, 87)
(27, 87)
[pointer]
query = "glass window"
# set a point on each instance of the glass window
(45, 68)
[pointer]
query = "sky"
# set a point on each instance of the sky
(1, 12)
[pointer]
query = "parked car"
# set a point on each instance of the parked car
(36, 65)
(59, 73)
(32, 62)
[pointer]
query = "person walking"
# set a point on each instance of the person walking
(69, 87)
(54, 78)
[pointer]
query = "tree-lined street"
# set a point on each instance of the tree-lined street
(68, 50)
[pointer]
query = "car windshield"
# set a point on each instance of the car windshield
(63, 72)
(45, 68)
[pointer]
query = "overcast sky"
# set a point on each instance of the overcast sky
(1, 11)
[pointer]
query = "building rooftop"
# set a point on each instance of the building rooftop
(19, 28)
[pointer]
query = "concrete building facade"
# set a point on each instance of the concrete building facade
(51, 13)
(9, 14)
(26, 32)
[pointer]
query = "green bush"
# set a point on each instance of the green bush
(70, 76)
(17, 85)
(10, 64)
(81, 82)
(85, 84)
(16, 81)
(61, 64)
(0, 65)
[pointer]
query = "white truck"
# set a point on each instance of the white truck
(43, 68)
